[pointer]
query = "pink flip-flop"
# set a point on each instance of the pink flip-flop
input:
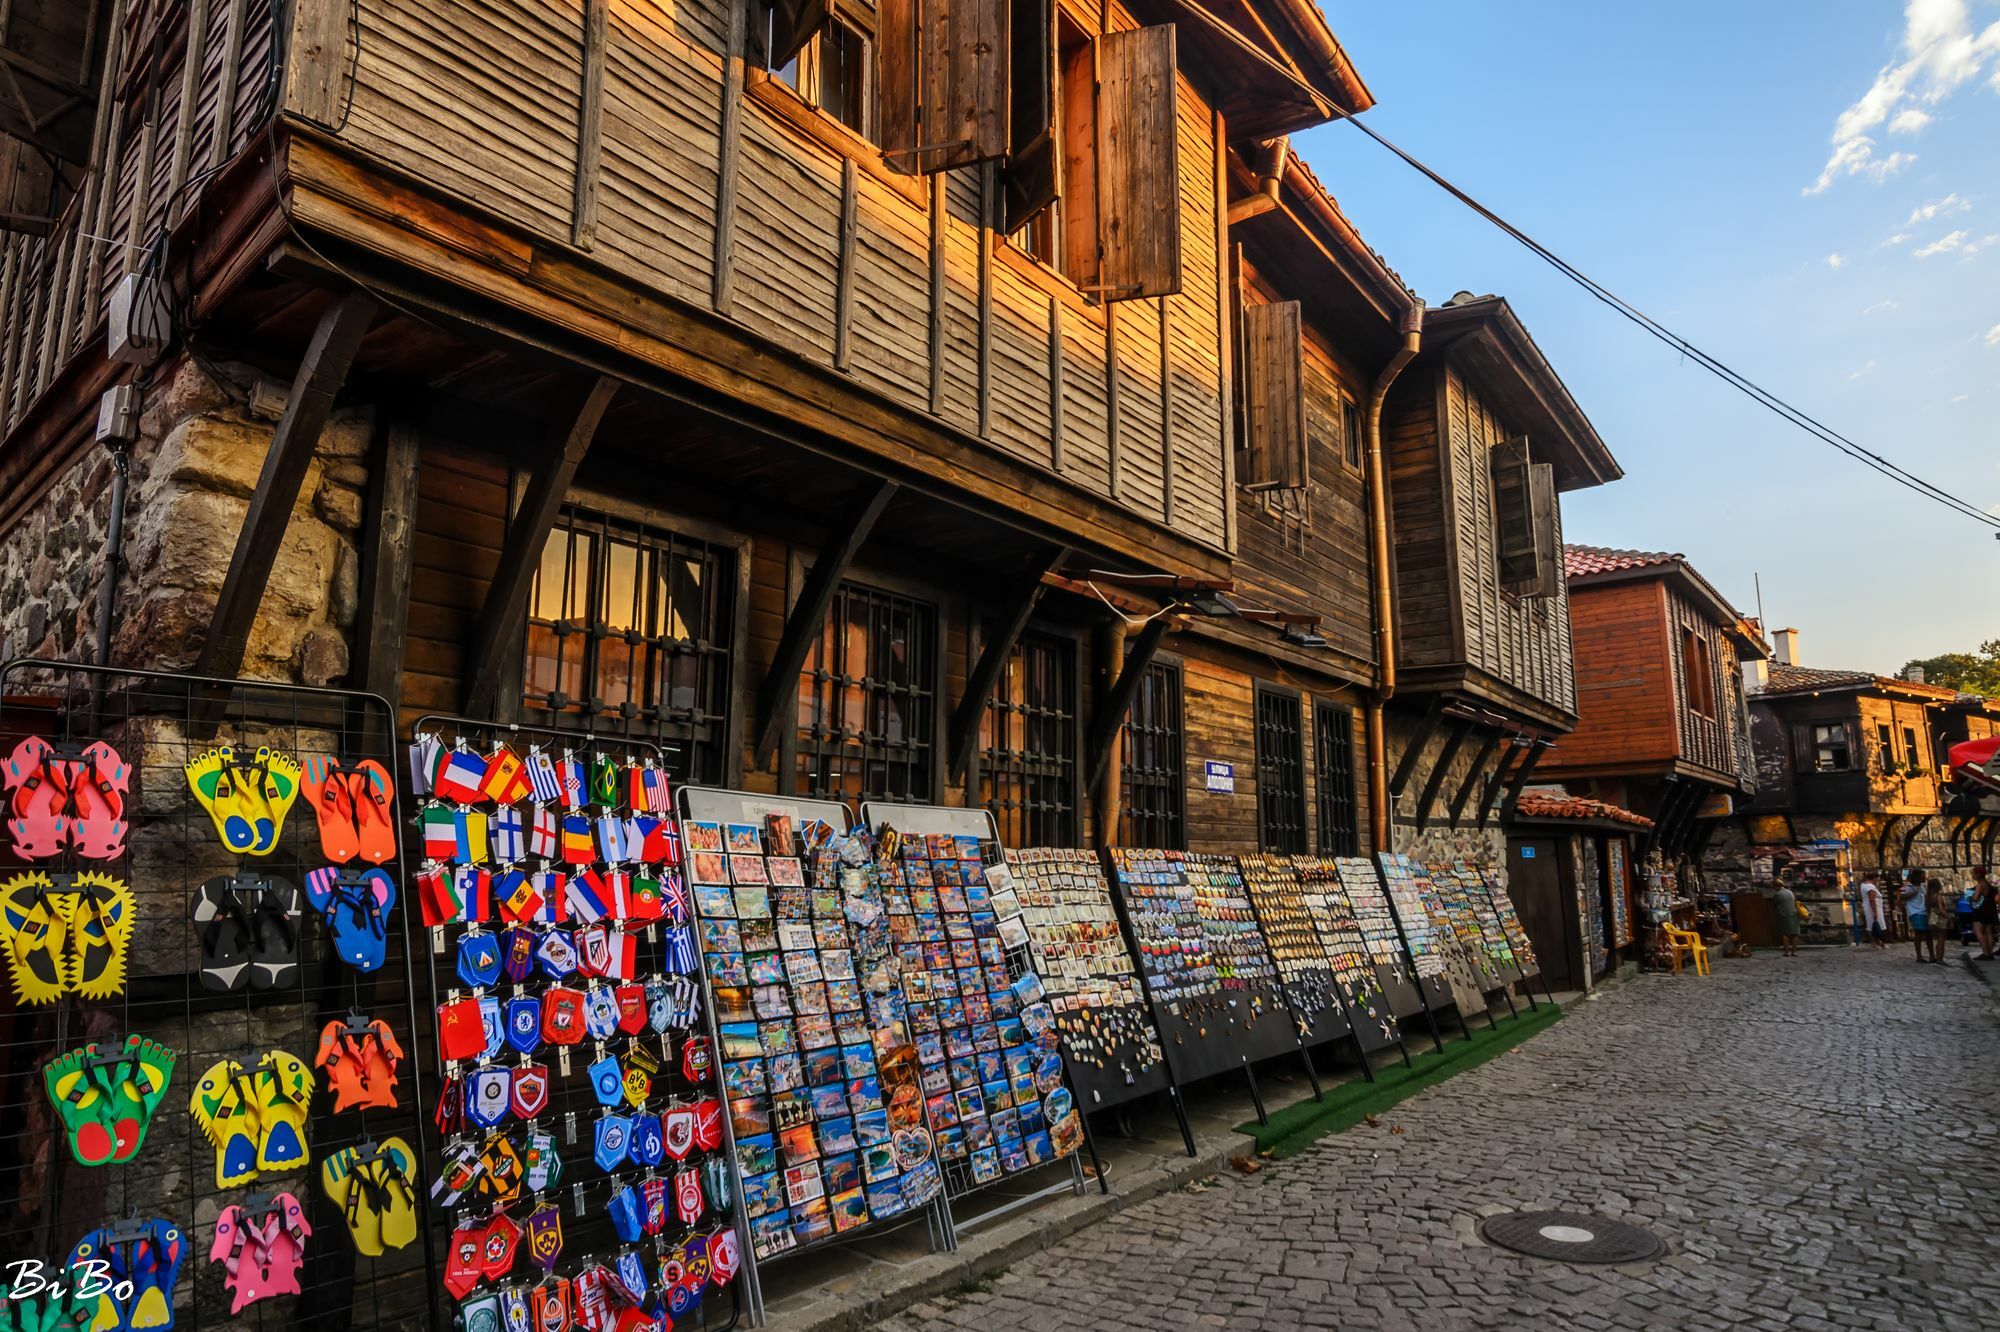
(99, 783)
(40, 787)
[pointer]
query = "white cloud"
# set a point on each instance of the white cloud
(1973, 247)
(1993, 336)
(1881, 307)
(1897, 239)
(1949, 206)
(1836, 260)
(1962, 397)
(1865, 368)
(1943, 245)
(1941, 53)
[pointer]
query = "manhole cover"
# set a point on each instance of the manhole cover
(1571, 1237)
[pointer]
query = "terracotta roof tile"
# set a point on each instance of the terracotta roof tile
(1785, 679)
(1582, 561)
(1534, 805)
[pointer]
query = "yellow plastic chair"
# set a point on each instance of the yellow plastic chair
(1689, 943)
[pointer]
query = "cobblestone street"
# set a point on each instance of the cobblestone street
(1815, 1140)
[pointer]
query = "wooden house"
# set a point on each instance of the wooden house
(1662, 725)
(1973, 809)
(1482, 439)
(791, 384)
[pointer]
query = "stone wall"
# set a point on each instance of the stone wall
(1439, 840)
(193, 468)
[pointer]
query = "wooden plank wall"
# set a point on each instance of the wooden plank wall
(461, 521)
(484, 100)
(1627, 686)
(1707, 741)
(1425, 606)
(149, 156)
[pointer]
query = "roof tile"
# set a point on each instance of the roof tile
(1535, 805)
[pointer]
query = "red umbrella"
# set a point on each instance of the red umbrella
(1978, 761)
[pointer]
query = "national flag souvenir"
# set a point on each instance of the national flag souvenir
(435, 896)
(473, 843)
(680, 954)
(458, 778)
(611, 839)
(668, 834)
(688, 1201)
(677, 1126)
(491, 1026)
(460, 1033)
(473, 887)
(708, 1124)
(514, 1309)
(605, 788)
(655, 1193)
(514, 896)
(634, 835)
(659, 792)
(509, 838)
(548, 1303)
(570, 780)
(642, 900)
(524, 1023)
(634, 781)
(674, 904)
(506, 778)
(541, 833)
(562, 1015)
(588, 896)
(440, 832)
(600, 1013)
(543, 782)
(578, 846)
(631, 999)
(551, 884)
(528, 1093)
(556, 954)
(426, 752)
(647, 1149)
(613, 1138)
(618, 887)
(486, 1096)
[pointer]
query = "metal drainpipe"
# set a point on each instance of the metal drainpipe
(1378, 534)
(114, 551)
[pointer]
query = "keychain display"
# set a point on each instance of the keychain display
(1302, 953)
(1471, 919)
(1466, 973)
(1371, 914)
(260, 1243)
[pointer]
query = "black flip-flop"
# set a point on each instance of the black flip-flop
(226, 933)
(274, 927)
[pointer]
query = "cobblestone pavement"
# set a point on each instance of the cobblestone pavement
(1815, 1139)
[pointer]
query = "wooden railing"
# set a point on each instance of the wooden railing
(182, 97)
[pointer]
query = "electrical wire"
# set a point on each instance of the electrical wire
(1742, 383)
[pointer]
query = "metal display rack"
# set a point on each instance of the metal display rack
(1319, 877)
(1401, 988)
(158, 722)
(925, 820)
(584, 1188)
(1493, 894)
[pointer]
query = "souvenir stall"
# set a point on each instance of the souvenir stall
(1396, 968)
(1404, 885)
(1368, 1010)
(207, 1066)
(1470, 937)
(1569, 868)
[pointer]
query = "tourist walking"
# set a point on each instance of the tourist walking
(1942, 905)
(1785, 904)
(1916, 909)
(1985, 911)
(1873, 919)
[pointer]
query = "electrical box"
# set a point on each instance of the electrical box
(140, 323)
(118, 415)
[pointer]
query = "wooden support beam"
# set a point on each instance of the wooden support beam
(1414, 751)
(327, 359)
(992, 663)
(1498, 781)
(490, 650)
(1453, 740)
(936, 326)
(1986, 842)
(1166, 414)
(1520, 779)
(989, 192)
(1111, 378)
(802, 626)
(728, 154)
(1662, 815)
(843, 303)
(1472, 775)
(1055, 383)
(388, 539)
(589, 126)
(316, 79)
(1882, 840)
(1111, 709)
(1910, 837)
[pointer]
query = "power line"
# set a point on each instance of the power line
(1742, 383)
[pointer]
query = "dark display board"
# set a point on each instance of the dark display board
(1406, 883)
(1502, 903)
(1209, 975)
(1368, 1010)
(1109, 1039)
(1468, 969)
(1299, 947)
(1395, 974)
(1469, 903)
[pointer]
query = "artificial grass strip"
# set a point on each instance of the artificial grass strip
(1297, 1127)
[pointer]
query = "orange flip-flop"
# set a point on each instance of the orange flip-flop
(326, 789)
(372, 794)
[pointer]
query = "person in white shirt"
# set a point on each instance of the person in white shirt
(1873, 918)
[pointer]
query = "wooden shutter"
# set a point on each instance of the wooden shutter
(1513, 513)
(1138, 165)
(1548, 530)
(1033, 177)
(1274, 405)
(793, 24)
(896, 82)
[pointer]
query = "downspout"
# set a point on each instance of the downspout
(114, 552)
(1378, 538)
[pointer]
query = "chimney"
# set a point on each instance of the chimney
(1756, 676)
(1785, 643)
(1915, 675)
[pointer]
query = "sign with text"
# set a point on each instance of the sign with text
(1221, 777)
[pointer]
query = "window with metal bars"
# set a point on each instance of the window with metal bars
(1153, 803)
(629, 630)
(868, 700)
(1333, 740)
(1281, 773)
(1027, 745)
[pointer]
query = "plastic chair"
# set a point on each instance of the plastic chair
(1689, 943)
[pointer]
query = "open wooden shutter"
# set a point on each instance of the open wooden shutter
(896, 43)
(1138, 165)
(942, 73)
(1548, 530)
(1274, 405)
(1513, 512)
(793, 23)
(1033, 177)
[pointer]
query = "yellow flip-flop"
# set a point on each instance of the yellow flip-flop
(34, 933)
(284, 1088)
(230, 796)
(225, 1104)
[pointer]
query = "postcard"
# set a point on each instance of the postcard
(757, 1155)
(708, 867)
(745, 839)
(701, 835)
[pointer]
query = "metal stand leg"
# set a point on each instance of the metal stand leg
(1180, 1113)
(1528, 993)
(1361, 1053)
(1090, 1145)
(1312, 1073)
(1256, 1096)
(1431, 1018)
(1404, 1047)
(1507, 993)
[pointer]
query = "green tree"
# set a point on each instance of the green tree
(1967, 672)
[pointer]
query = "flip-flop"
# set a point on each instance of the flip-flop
(372, 1189)
(100, 929)
(99, 783)
(225, 1105)
(276, 785)
(274, 935)
(138, 1087)
(226, 793)
(260, 1245)
(373, 794)
(154, 1267)
(226, 933)
(355, 905)
(284, 1087)
(360, 1058)
(326, 790)
(107, 1099)
(40, 793)
(34, 932)
(80, 1104)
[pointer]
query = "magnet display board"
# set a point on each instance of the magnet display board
(1208, 972)
(1469, 933)
(1476, 908)
(1368, 1009)
(1395, 972)
(1298, 946)
(1518, 943)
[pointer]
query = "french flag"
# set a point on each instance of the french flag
(460, 777)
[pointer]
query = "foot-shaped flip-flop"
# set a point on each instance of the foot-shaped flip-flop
(34, 933)
(100, 928)
(284, 1088)
(225, 1105)
(373, 794)
(327, 791)
(371, 1186)
(39, 793)
(139, 1084)
(107, 1098)
(229, 797)
(277, 776)
(99, 783)
(81, 1105)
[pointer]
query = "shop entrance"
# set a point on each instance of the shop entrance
(1535, 880)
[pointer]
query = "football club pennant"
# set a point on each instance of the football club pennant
(677, 1126)
(510, 841)
(724, 1258)
(457, 1173)
(449, 1116)
(638, 1086)
(541, 833)
(491, 1026)
(548, 1303)
(593, 948)
(688, 1201)
(655, 1194)
(648, 1147)
(562, 1015)
(514, 1309)
(517, 953)
(528, 1091)
(440, 832)
(479, 959)
(607, 1081)
(682, 1296)
(624, 1211)
(506, 778)
(578, 847)
(556, 955)
(600, 1013)
(486, 1096)
(659, 1005)
(524, 1023)
(426, 752)
(462, 1261)
(708, 1124)
(473, 843)
(458, 778)
(631, 999)
(613, 1139)
(544, 1166)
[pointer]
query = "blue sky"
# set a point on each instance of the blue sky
(1809, 191)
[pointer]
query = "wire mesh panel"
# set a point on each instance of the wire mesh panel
(205, 1045)
(1027, 745)
(1281, 773)
(867, 726)
(1153, 808)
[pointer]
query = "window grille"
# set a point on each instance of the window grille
(1281, 773)
(868, 700)
(1027, 745)
(1153, 803)
(1333, 739)
(629, 632)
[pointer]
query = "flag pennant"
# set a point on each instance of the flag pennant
(473, 889)
(569, 778)
(509, 844)
(473, 843)
(440, 830)
(541, 833)
(543, 782)
(459, 777)
(643, 901)
(588, 897)
(611, 838)
(578, 847)
(506, 778)
(425, 754)
(517, 897)
(550, 884)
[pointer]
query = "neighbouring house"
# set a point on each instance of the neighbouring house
(1573, 868)
(1662, 723)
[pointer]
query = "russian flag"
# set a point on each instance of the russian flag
(588, 897)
